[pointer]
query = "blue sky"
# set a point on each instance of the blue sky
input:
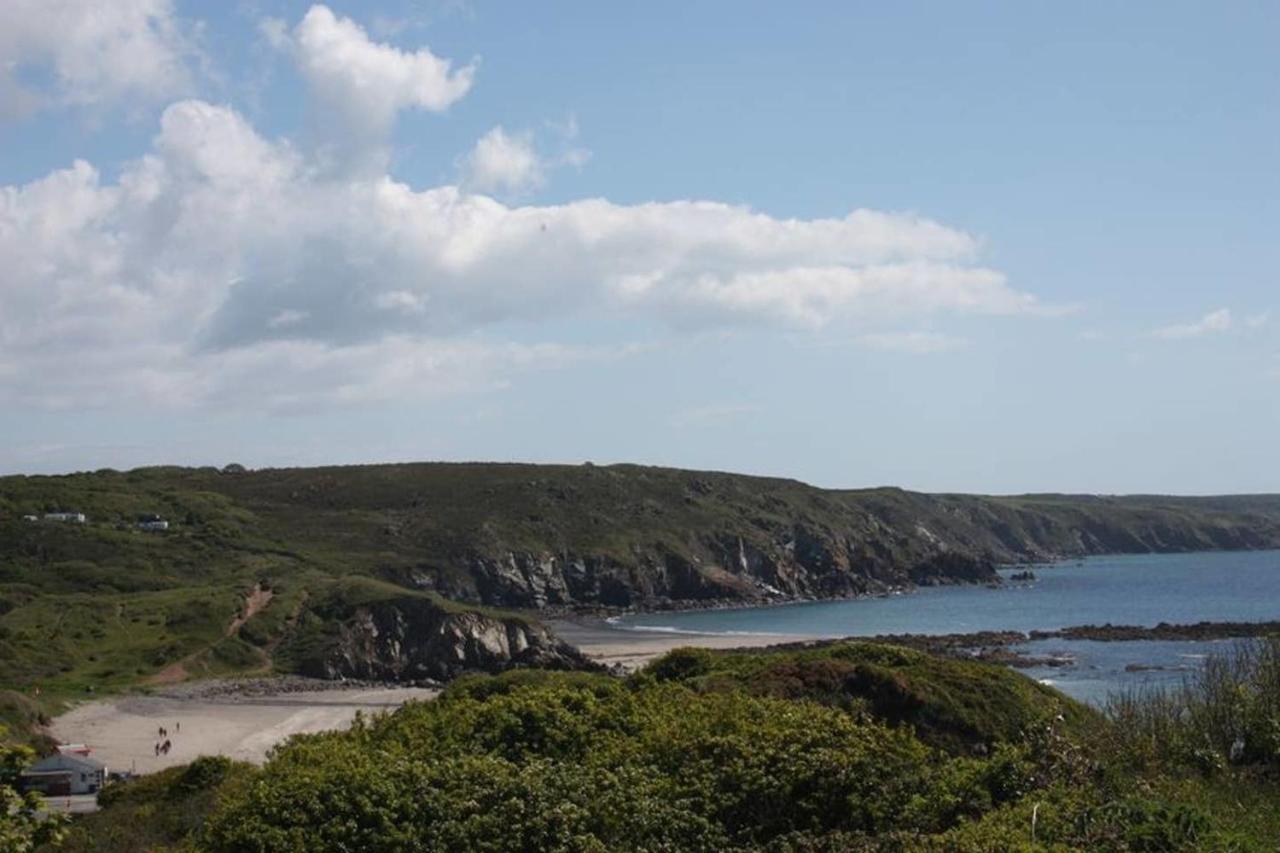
(967, 247)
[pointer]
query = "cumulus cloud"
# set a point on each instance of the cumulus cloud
(86, 52)
(359, 86)
(503, 163)
(221, 266)
(1215, 322)
(512, 164)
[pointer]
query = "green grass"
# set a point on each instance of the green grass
(106, 606)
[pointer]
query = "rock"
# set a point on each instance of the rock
(416, 639)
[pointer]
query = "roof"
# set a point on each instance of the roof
(62, 761)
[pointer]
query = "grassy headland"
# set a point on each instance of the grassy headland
(270, 570)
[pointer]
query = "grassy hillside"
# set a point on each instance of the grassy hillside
(105, 605)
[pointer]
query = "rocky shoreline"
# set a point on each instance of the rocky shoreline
(1163, 631)
(250, 689)
(996, 646)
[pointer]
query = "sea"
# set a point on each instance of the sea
(1134, 589)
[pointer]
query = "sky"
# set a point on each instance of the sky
(981, 247)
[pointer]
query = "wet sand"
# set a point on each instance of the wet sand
(633, 649)
(123, 731)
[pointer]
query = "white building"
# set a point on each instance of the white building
(153, 522)
(65, 773)
(74, 517)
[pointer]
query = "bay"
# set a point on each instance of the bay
(1133, 589)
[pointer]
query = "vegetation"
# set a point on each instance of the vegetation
(157, 810)
(104, 605)
(766, 750)
(962, 706)
(1228, 713)
(22, 826)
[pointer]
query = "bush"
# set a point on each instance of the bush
(586, 764)
(1226, 714)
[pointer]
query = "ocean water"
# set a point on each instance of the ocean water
(1146, 589)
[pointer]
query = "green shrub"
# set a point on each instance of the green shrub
(1226, 714)
(530, 761)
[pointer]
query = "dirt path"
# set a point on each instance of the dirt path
(123, 731)
(171, 674)
(257, 600)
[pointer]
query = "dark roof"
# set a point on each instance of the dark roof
(49, 762)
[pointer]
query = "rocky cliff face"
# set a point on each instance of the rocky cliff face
(798, 564)
(412, 639)
(833, 545)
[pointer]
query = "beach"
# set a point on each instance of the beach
(205, 720)
(244, 723)
(632, 649)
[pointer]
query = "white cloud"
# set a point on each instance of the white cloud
(1257, 321)
(509, 164)
(93, 53)
(1212, 323)
(504, 163)
(912, 342)
(366, 82)
(223, 267)
(286, 318)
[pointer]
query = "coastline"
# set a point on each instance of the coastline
(576, 613)
(628, 650)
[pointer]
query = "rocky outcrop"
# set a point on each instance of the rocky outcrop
(412, 639)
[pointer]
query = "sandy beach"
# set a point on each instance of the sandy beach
(207, 720)
(123, 731)
(633, 649)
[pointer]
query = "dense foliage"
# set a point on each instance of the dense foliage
(777, 751)
(965, 707)
(22, 824)
(156, 810)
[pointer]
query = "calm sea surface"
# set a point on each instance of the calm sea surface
(1241, 586)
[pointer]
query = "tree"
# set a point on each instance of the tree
(22, 825)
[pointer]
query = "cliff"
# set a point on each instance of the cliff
(360, 628)
(392, 570)
(552, 536)
(408, 639)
